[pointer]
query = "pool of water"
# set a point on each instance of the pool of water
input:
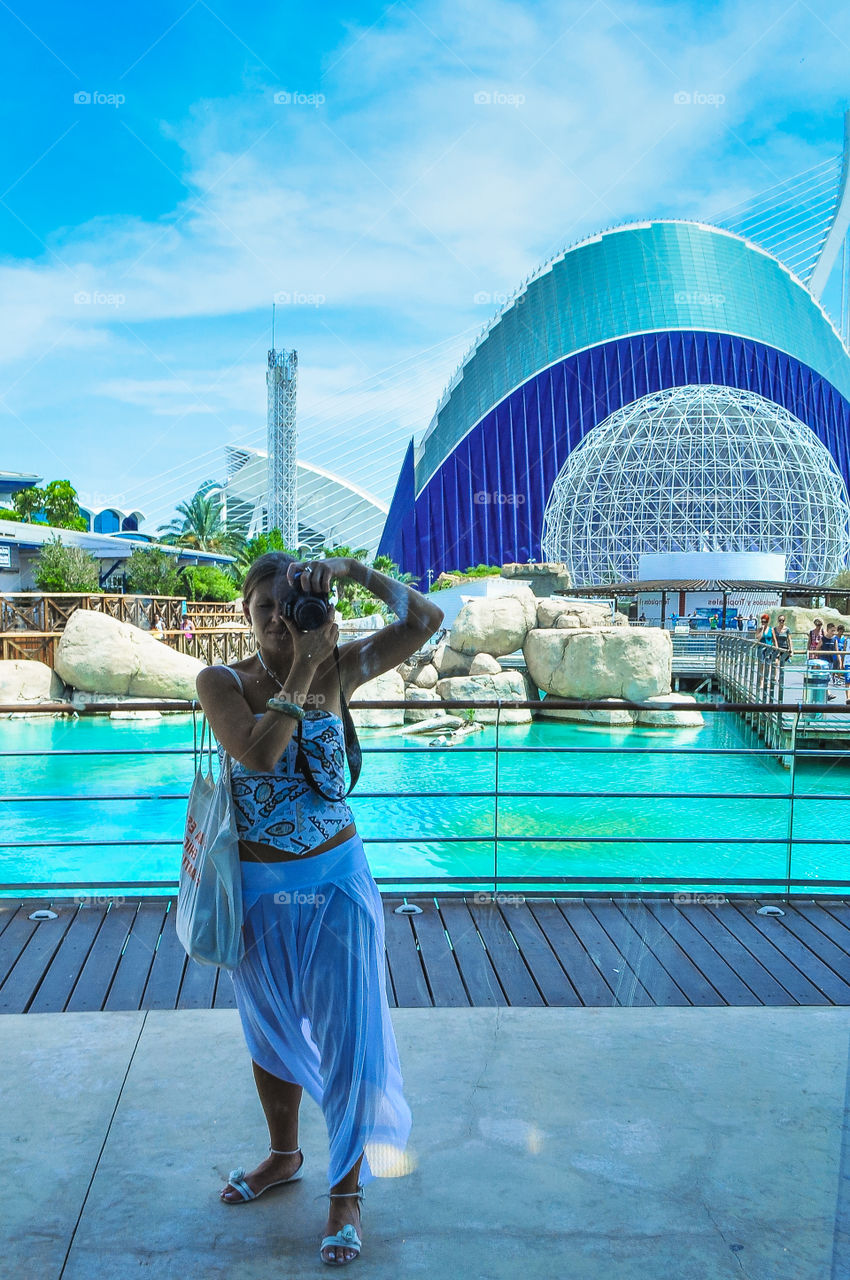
(704, 810)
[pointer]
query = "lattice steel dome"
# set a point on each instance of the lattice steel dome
(698, 468)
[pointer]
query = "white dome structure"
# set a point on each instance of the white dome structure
(698, 468)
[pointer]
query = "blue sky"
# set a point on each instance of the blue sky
(381, 167)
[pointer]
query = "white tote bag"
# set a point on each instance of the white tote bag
(209, 900)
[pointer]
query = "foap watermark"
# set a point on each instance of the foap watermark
(497, 98)
(299, 299)
(285, 98)
(97, 900)
(503, 899)
(295, 897)
(83, 98)
(83, 298)
(697, 298)
(494, 497)
(699, 899)
(684, 98)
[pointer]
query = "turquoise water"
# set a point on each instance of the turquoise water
(738, 842)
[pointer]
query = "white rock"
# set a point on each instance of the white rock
(671, 719)
(496, 624)
(436, 654)
(81, 699)
(102, 655)
(426, 677)
(453, 663)
(612, 662)
(507, 685)
(484, 665)
(552, 610)
(433, 707)
(388, 686)
(25, 680)
(134, 715)
(617, 716)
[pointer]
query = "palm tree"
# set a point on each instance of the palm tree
(200, 523)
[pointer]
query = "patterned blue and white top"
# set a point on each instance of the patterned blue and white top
(281, 808)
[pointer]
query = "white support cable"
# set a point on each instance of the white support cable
(768, 194)
(795, 218)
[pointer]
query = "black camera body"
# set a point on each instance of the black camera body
(308, 611)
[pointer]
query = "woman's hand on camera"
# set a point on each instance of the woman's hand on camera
(314, 647)
(314, 577)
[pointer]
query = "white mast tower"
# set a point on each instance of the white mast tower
(281, 380)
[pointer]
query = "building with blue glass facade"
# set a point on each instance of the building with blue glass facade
(625, 314)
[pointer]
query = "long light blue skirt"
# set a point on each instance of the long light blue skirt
(311, 994)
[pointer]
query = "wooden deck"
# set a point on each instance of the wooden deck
(125, 954)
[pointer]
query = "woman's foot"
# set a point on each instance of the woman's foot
(275, 1168)
(344, 1210)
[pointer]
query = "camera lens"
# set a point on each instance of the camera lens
(310, 612)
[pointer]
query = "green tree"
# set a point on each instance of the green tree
(7, 514)
(62, 568)
(61, 506)
(257, 546)
(58, 501)
(207, 582)
(200, 523)
(27, 502)
(150, 571)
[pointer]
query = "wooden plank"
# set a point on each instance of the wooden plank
(388, 982)
(581, 972)
(444, 980)
(631, 928)
(479, 976)
(60, 979)
(820, 960)
(784, 970)
(628, 990)
(411, 988)
(14, 939)
(198, 986)
(823, 918)
(169, 962)
(23, 980)
(723, 978)
(225, 996)
(136, 959)
(751, 968)
(9, 908)
(101, 962)
(516, 981)
(552, 982)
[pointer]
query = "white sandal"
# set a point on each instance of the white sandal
(236, 1179)
(346, 1237)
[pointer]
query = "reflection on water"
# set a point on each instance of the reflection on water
(693, 817)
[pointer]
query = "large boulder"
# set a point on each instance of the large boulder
(495, 624)
(25, 680)
(544, 577)
(426, 677)
(429, 697)
(484, 665)
(507, 685)
(617, 717)
(612, 662)
(553, 611)
(389, 687)
(801, 621)
(451, 663)
(102, 655)
(672, 719)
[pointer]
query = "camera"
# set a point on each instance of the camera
(308, 611)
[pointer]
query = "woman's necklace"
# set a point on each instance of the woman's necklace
(279, 683)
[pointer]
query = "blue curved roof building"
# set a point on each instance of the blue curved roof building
(633, 310)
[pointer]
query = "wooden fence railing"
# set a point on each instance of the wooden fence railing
(36, 611)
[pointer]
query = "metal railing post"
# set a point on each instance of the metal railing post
(790, 849)
(496, 803)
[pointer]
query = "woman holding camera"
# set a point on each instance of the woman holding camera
(311, 988)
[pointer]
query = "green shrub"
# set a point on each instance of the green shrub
(61, 568)
(6, 514)
(153, 572)
(206, 582)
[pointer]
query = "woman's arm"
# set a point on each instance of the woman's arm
(418, 618)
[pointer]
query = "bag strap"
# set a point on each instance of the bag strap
(353, 753)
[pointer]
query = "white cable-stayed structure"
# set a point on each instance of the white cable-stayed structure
(703, 469)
